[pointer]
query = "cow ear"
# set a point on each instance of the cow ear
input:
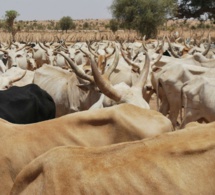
(76, 52)
(156, 69)
(84, 87)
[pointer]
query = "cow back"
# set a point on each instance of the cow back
(27, 104)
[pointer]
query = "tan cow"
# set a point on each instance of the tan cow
(180, 162)
(20, 144)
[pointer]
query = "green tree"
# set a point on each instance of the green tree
(113, 24)
(196, 9)
(145, 16)
(10, 17)
(66, 23)
(86, 25)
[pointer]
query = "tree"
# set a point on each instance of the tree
(145, 16)
(196, 9)
(86, 25)
(66, 23)
(10, 17)
(113, 24)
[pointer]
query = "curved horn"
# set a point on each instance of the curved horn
(60, 47)
(84, 52)
(135, 57)
(123, 45)
(171, 49)
(109, 55)
(103, 84)
(19, 78)
(107, 47)
(92, 51)
(42, 47)
(3, 50)
(158, 58)
(186, 45)
(144, 43)
(19, 49)
(78, 72)
(153, 63)
(160, 47)
(131, 63)
(204, 53)
(114, 64)
(144, 73)
(15, 45)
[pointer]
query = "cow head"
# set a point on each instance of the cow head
(7, 81)
(121, 93)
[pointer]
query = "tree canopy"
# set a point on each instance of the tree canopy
(113, 24)
(196, 9)
(66, 23)
(10, 17)
(145, 16)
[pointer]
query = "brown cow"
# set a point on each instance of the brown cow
(181, 162)
(20, 144)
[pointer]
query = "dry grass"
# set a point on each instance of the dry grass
(101, 32)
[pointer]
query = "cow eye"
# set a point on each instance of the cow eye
(18, 56)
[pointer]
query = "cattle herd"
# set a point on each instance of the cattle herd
(107, 116)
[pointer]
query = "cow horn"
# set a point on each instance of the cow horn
(171, 49)
(158, 57)
(19, 77)
(114, 64)
(42, 47)
(3, 50)
(160, 47)
(78, 72)
(144, 43)
(109, 55)
(131, 63)
(84, 52)
(19, 49)
(204, 53)
(107, 47)
(92, 50)
(144, 73)
(186, 45)
(135, 57)
(105, 86)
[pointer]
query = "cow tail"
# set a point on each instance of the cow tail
(28, 174)
(157, 91)
(185, 100)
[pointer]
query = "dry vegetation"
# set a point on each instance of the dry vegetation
(97, 29)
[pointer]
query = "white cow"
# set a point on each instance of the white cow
(199, 100)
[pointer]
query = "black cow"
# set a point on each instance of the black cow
(26, 104)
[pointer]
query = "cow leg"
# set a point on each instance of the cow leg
(190, 116)
(175, 105)
(174, 98)
(164, 107)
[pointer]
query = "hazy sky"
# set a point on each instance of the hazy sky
(56, 9)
